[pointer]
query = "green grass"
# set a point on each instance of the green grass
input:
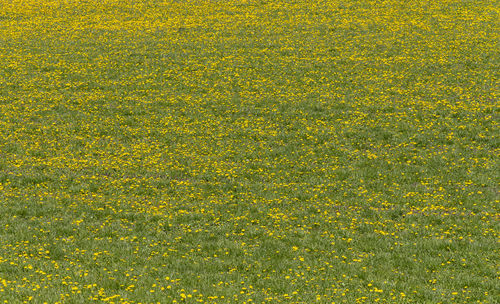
(249, 151)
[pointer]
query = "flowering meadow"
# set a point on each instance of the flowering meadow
(249, 151)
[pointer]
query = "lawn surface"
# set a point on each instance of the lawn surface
(249, 151)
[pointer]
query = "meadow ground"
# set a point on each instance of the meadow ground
(249, 151)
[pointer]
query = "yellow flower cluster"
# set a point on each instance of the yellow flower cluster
(249, 151)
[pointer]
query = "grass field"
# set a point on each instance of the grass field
(253, 151)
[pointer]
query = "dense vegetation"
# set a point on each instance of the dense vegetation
(249, 151)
